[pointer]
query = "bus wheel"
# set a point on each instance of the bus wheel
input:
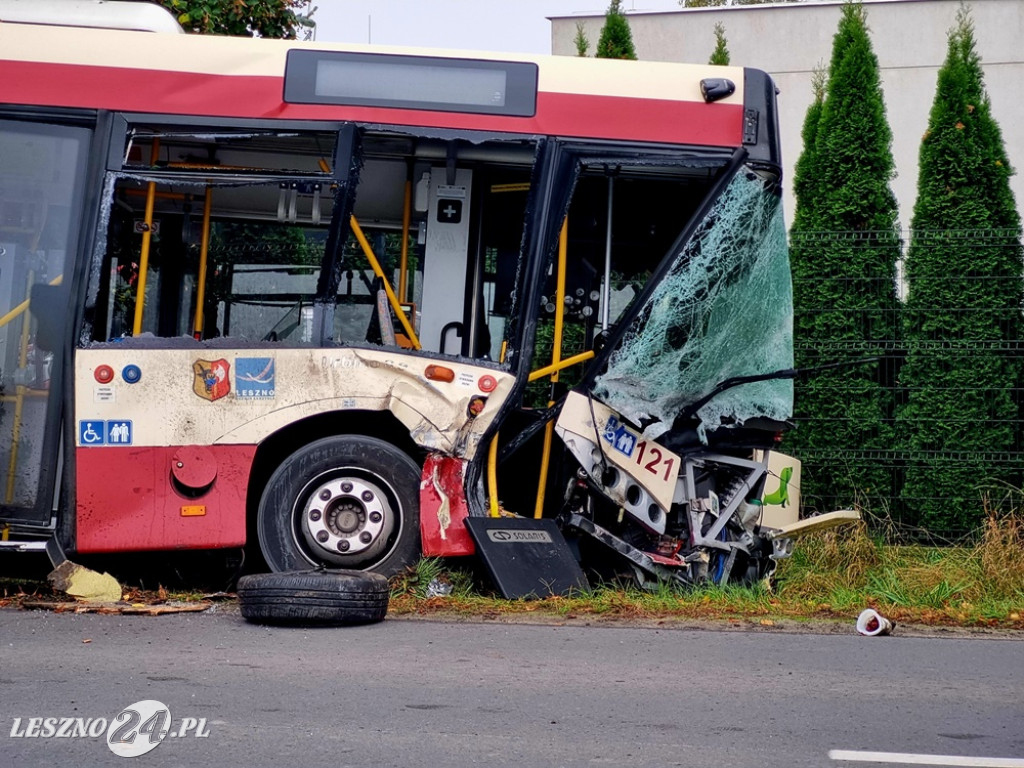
(342, 502)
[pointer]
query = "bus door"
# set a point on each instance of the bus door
(42, 169)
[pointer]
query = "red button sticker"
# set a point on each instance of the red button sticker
(487, 383)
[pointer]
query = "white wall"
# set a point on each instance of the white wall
(790, 40)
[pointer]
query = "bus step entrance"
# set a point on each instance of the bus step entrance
(526, 557)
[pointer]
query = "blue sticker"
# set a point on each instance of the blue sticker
(131, 374)
(92, 433)
(119, 432)
(619, 436)
(254, 378)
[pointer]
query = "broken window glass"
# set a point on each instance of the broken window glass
(724, 309)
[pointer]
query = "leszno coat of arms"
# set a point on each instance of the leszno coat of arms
(211, 380)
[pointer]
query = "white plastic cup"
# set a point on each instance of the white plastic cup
(871, 623)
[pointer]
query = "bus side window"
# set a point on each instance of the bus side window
(251, 246)
(259, 277)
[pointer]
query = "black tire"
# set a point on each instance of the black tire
(348, 502)
(321, 598)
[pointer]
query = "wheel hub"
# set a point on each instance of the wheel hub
(347, 519)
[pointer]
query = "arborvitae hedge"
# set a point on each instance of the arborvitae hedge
(845, 249)
(963, 321)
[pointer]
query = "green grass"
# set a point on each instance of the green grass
(832, 575)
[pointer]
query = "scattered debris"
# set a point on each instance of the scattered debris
(438, 588)
(84, 584)
(871, 623)
(133, 609)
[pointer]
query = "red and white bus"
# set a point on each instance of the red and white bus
(292, 296)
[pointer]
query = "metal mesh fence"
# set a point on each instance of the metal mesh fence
(923, 426)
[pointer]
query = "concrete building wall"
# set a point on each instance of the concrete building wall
(789, 41)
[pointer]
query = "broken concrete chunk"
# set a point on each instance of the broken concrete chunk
(84, 584)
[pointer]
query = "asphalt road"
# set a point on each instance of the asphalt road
(414, 693)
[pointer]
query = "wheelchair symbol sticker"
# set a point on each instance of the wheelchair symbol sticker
(92, 433)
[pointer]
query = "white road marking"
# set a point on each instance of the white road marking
(906, 758)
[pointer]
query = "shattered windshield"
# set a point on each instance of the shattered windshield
(724, 309)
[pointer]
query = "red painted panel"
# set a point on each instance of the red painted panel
(189, 93)
(441, 528)
(127, 502)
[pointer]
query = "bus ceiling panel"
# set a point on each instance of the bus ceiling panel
(296, 202)
(289, 151)
(642, 160)
(380, 196)
(511, 152)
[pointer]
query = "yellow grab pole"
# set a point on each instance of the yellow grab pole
(375, 265)
(403, 267)
(556, 358)
(147, 236)
(204, 250)
(24, 305)
(492, 476)
(492, 455)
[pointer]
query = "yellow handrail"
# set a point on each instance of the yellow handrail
(147, 236)
(569, 362)
(556, 358)
(204, 250)
(375, 265)
(492, 476)
(24, 305)
(403, 265)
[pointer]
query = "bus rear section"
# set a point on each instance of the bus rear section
(315, 325)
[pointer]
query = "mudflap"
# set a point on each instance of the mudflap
(526, 558)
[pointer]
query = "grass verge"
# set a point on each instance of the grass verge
(832, 575)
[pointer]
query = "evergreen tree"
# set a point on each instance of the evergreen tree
(581, 41)
(616, 41)
(720, 56)
(846, 246)
(805, 172)
(965, 292)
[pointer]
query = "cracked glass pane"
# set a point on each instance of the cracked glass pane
(724, 309)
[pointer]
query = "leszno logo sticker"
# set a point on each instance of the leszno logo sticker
(254, 378)
(211, 380)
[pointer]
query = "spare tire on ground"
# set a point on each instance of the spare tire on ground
(320, 598)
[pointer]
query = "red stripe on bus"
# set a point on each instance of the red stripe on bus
(126, 501)
(189, 93)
